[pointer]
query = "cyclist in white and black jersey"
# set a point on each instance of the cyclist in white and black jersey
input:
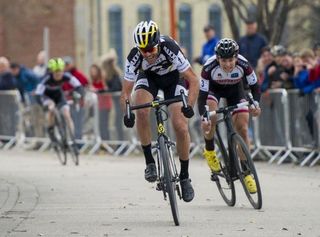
(49, 93)
(155, 63)
(224, 75)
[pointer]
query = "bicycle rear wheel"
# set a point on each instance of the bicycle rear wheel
(245, 166)
(170, 184)
(224, 179)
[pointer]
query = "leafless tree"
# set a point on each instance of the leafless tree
(271, 15)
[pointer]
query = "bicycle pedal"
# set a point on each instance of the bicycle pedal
(159, 187)
(214, 177)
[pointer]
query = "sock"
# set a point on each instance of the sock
(209, 144)
(184, 173)
(148, 154)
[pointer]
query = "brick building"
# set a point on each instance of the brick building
(22, 23)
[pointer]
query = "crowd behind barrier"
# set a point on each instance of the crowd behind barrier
(287, 130)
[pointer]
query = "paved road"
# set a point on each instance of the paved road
(107, 196)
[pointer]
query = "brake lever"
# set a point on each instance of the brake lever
(206, 116)
(184, 99)
(128, 110)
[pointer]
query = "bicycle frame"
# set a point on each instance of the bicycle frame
(227, 120)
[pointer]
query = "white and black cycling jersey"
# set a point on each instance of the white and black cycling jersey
(170, 58)
(213, 75)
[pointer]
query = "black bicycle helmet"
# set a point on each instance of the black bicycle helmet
(227, 48)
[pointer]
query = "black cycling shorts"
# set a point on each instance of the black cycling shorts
(233, 94)
(170, 84)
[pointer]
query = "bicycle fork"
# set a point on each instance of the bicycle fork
(160, 186)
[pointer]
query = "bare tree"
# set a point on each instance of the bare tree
(271, 16)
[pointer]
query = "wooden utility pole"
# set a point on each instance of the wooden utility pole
(172, 11)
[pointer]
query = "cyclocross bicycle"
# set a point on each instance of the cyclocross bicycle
(65, 140)
(168, 177)
(236, 162)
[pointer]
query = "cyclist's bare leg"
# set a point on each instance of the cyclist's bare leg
(213, 105)
(67, 115)
(143, 116)
(241, 123)
(50, 114)
(180, 126)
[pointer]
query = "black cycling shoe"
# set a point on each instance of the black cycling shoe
(187, 190)
(150, 173)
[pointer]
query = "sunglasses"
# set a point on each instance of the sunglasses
(151, 50)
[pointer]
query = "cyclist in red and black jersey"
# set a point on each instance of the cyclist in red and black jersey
(155, 63)
(49, 93)
(224, 75)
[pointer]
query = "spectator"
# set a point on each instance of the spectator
(316, 50)
(307, 80)
(308, 58)
(272, 72)
(71, 68)
(40, 69)
(7, 80)
(266, 58)
(252, 43)
(208, 47)
(112, 76)
(104, 100)
(27, 81)
(286, 76)
(77, 114)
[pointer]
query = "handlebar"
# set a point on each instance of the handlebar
(157, 103)
(229, 109)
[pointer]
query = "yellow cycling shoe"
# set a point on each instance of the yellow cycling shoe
(212, 160)
(250, 184)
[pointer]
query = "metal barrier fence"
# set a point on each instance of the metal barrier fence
(287, 130)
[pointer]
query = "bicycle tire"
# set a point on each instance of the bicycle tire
(74, 152)
(60, 148)
(224, 181)
(170, 185)
(254, 198)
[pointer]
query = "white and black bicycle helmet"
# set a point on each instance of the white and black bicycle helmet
(227, 48)
(146, 35)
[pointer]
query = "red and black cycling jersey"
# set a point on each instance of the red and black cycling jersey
(215, 79)
(170, 59)
(49, 87)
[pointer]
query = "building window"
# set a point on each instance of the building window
(215, 15)
(115, 31)
(185, 29)
(144, 13)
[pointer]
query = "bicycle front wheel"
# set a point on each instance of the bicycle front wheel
(60, 147)
(74, 151)
(224, 179)
(245, 167)
(170, 184)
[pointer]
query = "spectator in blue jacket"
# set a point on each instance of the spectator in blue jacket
(26, 79)
(251, 44)
(7, 81)
(208, 47)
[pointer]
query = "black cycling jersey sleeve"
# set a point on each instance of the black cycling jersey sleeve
(255, 90)
(202, 99)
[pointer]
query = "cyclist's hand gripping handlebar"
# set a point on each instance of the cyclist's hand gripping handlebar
(186, 109)
(129, 117)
